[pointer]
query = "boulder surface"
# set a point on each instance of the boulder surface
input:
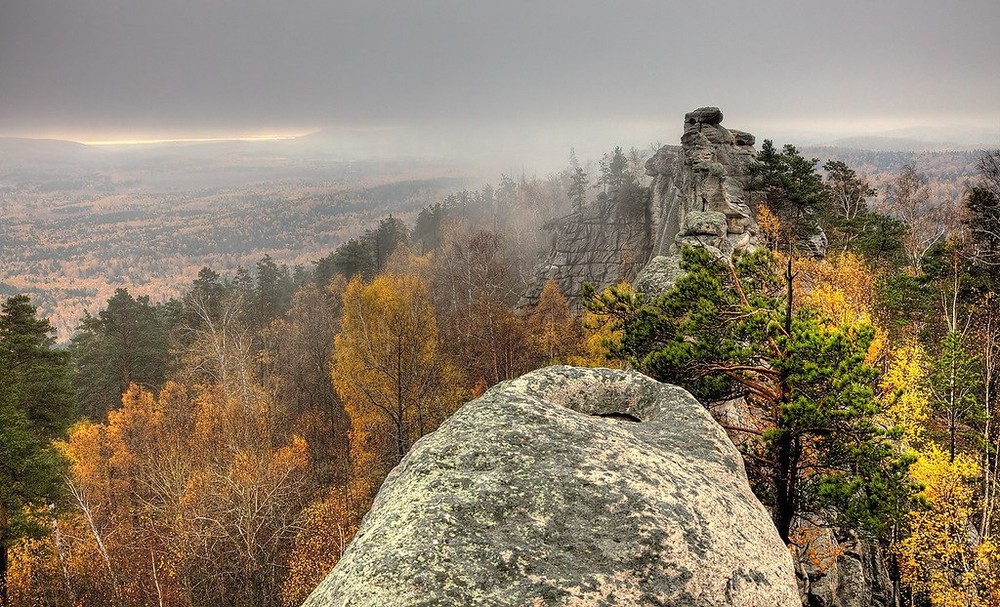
(568, 486)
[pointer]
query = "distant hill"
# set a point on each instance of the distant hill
(45, 155)
(896, 144)
(12, 147)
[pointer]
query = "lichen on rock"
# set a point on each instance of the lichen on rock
(533, 495)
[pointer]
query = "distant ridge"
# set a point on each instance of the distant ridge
(896, 144)
(40, 147)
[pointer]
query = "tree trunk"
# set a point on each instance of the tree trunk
(786, 448)
(786, 455)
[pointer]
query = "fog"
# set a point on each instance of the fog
(496, 77)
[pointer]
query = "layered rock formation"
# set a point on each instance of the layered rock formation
(599, 244)
(568, 486)
(697, 197)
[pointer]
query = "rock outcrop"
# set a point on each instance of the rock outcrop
(568, 486)
(698, 196)
(602, 244)
(843, 572)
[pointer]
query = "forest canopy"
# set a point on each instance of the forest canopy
(131, 458)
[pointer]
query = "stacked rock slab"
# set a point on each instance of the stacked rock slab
(699, 195)
(568, 486)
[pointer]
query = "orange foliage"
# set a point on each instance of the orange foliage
(328, 524)
(552, 326)
(180, 501)
(395, 382)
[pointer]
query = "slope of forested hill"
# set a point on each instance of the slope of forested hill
(79, 222)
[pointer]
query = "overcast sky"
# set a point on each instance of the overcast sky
(116, 69)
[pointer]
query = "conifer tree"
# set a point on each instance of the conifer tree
(36, 405)
(727, 330)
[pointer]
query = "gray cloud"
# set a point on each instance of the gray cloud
(171, 67)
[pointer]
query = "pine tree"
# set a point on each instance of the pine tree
(727, 330)
(36, 405)
(792, 191)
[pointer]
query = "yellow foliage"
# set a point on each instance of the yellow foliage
(904, 396)
(842, 289)
(404, 262)
(33, 566)
(940, 558)
(87, 451)
(395, 382)
(769, 224)
(169, 502)
(598, 332)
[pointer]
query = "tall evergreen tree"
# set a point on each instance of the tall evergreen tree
(36, 405)
(728, 331)
(37, 375)
(125, 343)
(792, 190)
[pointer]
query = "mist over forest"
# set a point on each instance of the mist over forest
(388, 304)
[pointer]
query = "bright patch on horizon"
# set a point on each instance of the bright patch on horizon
(191, 140)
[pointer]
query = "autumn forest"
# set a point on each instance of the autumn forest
(221, 445)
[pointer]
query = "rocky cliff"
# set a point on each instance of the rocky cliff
(601, 244)
(697, 196)
(568, 486)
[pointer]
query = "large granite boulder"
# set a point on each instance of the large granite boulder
(568, 486)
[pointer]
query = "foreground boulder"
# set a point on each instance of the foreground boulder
(568, 486)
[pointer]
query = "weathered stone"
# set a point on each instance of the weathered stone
(842, 572)
(600, 244)
(704, 115)
(708, 175)
(708, 223)
(743, 138)
(662, 161)
(816, 244)
(737, 225)
(717, 246)
(742, 242)
(718, 134)
(659, 275)
(568, 486)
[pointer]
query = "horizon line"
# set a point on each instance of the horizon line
(190, 140)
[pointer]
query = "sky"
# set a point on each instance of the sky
(510, 71)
